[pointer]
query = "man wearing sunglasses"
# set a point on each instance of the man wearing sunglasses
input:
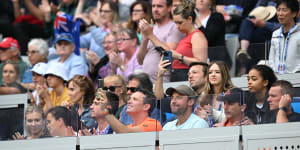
(65, 47)
(140, 106)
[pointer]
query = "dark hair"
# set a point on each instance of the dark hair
(113, 100)
(286, 87)
(186, 10)
(146, 9)
(85, 85)
(169, 2)
(291, 4)
(266, 73)
(148, 99)
(143, 78)
(132, 34)
(203, 64)
(61, 112)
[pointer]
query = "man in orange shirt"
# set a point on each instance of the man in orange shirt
(234, 108)
(140, 106)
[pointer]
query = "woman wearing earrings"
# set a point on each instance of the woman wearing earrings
(82, 94)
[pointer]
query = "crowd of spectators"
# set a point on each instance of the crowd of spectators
(107, 85)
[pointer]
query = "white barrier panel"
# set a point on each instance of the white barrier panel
(222, 138)
(283, 136)
(57, 143)
(12, 101)
(129, 141)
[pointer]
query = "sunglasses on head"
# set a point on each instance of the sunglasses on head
(132, 89)
(111, 88)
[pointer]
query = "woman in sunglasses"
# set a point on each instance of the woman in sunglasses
(117, 85)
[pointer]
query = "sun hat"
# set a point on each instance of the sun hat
(59, 70)
(40, 68)
(263, 13)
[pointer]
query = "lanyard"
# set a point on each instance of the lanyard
(282, 57)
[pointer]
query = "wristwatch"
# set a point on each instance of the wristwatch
(285, 109)
(181, 58)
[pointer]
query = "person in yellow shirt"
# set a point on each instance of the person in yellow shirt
(56, 76)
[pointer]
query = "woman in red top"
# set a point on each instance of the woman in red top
(192, 48)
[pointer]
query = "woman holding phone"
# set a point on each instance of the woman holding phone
(193, 47)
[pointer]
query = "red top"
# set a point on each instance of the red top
(184, 47)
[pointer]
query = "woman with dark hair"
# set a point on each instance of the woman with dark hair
(139, 10)
(284, 52)
(82, 93)
(260, 79)
(10, 77)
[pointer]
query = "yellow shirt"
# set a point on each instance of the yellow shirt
(64, 97)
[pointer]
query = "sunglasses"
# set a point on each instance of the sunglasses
(111, 88)
(132, 89)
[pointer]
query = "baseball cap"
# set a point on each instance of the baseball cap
(9, 42)
(40, 68)
(233, 95)
(181, 89)
(64, 37)
(59, 70)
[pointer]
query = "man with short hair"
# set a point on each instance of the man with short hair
(140, 106)
(10, 50)
(59, 121)
(182, 102)
(65, 47)
(280, 98)
(163, 33)
(234, 108)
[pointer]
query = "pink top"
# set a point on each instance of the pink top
(185, 48)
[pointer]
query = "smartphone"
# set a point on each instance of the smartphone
(160, 49)
(167, 55)
(100, 86)
(251, 17)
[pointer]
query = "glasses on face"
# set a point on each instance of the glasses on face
(108, 42)
(32, 52)
(137, 10)
(111, 88)
(123, 39)
(132, 89)
(105, 11)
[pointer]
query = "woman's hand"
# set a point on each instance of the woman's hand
(162, 66)
(115, 58)
(92, 57)
(18, 136)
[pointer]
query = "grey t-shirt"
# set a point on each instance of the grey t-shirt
(167, 33)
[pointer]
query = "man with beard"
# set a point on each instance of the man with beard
(163, 34)
(182, 101)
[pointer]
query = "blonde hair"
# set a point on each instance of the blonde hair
(120, 80)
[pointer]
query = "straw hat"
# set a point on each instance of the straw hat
(263, 13)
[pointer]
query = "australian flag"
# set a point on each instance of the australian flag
(64, 23)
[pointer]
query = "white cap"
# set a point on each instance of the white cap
(59, 70)
(40, 68)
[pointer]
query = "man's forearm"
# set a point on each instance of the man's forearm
(158, 88)
(142, 52)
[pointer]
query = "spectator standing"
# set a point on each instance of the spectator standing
(182, 102)
(163, 33)
(192, 48)
(284, 54)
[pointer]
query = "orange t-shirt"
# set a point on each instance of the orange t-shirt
(148, 125)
